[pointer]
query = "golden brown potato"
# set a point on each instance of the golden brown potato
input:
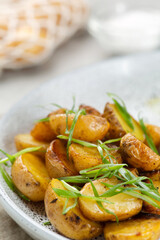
(155, 177)
(124, 206)
(42, 130)
(84, 157)
(144, 227)
(137, 154)
(30, 176)
(88, 127)
(23, 141)
(118, 127)
(90, 110)
(73, 224)
(155, 133)
(57, 163)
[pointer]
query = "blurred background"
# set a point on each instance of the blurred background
(41, 39)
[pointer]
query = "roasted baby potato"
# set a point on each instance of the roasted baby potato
(30, 176)
(154, 131)
(137, 154)
(144, 227)
(23, 141)
(42, 130)
(84, 157)
(124, 206)
(90, 110)
(73, 224)
(57, 163)
(118, 126)
(88, 127)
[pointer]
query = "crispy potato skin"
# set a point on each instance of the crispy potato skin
(137, 154)
(139, 228)
(30, 176)
(84, 157)
(23, 141)
(57, 163)
(90, 110)
(115, 130)
(88, 127)
(155, 133)
(124, 205)
(73, 224)
(42, 130)
(118, 126)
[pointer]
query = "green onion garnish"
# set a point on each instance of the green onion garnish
(148, 136)
(47, 223)
(122, 109)
(13, 157)
(42, 120)
(10, 183)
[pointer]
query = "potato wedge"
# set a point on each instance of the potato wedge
(42, 130)
(73, 224)
(155, 133)
(23, 141)
(124, 205)
(84, 157)
(118, 127)
(30, 176)
(88, 127)
(144, 227)
(90, 110)
(57, 163)
(137, 154)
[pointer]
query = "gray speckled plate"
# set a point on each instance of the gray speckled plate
(136, 79)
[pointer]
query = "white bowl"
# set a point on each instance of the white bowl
(136, 79)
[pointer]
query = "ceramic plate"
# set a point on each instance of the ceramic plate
(136, 79)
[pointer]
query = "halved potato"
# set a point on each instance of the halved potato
(23, 141)
(30, 176)
(90, 110)
(124, 206)
(88, 127)
(42, 130)
(57, 163)
(118, 127)
(144, 227)
(138, 155)
(73, 224)
(84, 157)
(155, 133)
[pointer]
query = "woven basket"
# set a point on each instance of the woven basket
(31, 29)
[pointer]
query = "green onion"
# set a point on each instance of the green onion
(42, 120)
(10, 183)
(122, 109)
(47, 223)
(148, 136)
(77, 114)
(13, 157)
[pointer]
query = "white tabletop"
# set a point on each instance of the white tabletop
(80, 51)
